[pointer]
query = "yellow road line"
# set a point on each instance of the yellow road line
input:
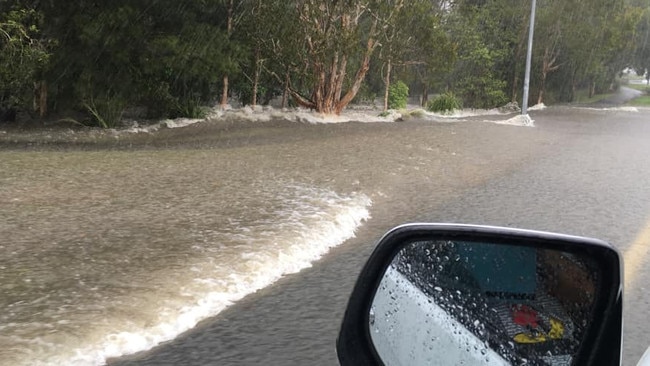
(635, 256)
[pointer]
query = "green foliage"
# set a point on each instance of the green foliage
(643, 101)
(170, 57)
(480, 74)
(641, 55)
(244, 89)
(366, 95)
(398, 94)
(418, 113)
(446, 102)
(483, 92)
(106, 112)
(22, 56)
(415, 113)
(190, 108)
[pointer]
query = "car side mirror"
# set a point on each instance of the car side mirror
(444, 294)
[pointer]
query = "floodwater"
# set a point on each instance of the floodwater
(111, 243)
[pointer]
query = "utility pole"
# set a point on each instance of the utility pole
(529, 56)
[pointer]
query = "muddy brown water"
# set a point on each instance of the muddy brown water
(112, 242)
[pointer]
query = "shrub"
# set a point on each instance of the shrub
(188, 108)
(106, 111)
(415, 113)
(446, 102)
(482, 92)
(418, 113)
(398, 94)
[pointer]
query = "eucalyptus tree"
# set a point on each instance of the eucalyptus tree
(641, 58)
(328, 62)
(334, 33)
(597, 44)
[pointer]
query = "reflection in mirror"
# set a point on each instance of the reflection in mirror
(469, 303)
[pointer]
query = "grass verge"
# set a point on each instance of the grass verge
(582, 96)
(641, 87)
(642, 101)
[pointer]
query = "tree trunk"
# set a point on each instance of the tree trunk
(592, 89)
(285, 93)
(256, 77)
(42, 105)
(574, 90)
(542, 89)
(341, 78)
(224, 95)
(520, 47)
(574, 76)
(515, 82)
(389, 66)
(39, 103)
(515, 77)
(425, 95)
(329, 71)
(548, 66)
(35, 97)
(361, 73)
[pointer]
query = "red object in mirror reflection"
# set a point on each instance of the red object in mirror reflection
(525, 316)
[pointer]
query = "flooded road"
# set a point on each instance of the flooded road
(112, 243)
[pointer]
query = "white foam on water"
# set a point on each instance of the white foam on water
(538, 107)
(266, 114)
(348, 116)
(257, 255)
(353, 114)
(464, 113)
(518, 120)
(461, 115)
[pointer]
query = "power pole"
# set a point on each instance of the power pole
(529, 56)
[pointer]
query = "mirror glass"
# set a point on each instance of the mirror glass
(471, 303)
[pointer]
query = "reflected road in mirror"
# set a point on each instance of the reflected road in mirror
(455, 303)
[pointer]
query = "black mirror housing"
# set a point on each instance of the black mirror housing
(601, 343)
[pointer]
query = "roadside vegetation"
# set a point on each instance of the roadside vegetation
(447, 102)
(583, 96)
(642, 87)
(94, 63)
(642, 101)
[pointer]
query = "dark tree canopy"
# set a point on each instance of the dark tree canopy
(170, 58)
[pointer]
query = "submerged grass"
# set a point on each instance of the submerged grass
(413, 113)
(582, 96)
(642, 87)
(643, 101)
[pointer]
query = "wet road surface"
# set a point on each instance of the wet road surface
(623, 95)
(581, 172)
